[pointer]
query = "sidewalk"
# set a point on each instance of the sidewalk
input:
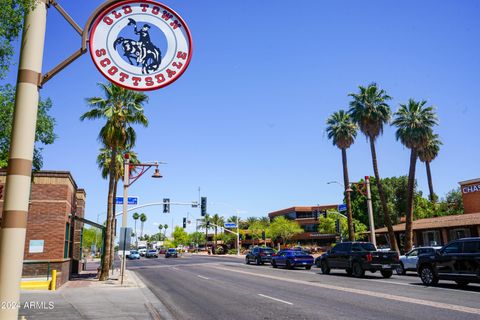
(88, 298)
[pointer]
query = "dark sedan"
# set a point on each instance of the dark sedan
(171, 253)
(259, 255)
(292, 258)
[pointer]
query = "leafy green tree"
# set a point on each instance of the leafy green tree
(197, 237)
(427, 155)
(256, 229)
(414, 122)
(44, 134)
(284, 229)
(250, 220)
(180, 237)
(327, 226)
(342, 131)
(120, 108)
(452, 204)
(11, 23)
(370, 111)
(89, 237)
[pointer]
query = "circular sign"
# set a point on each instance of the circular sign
(140, 45)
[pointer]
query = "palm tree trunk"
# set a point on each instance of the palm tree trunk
(141, 229)
(215, 241)
(383, 199)
(110, 216)
(351, 232)
(410, 195)
(136, 235)
(112, 251)
(430, 183)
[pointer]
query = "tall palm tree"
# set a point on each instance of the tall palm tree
(160, 227)
(143, 218)
(217, 220)
(414, 122)
(342, 131)
(135, 218)
(370, 111)
(165, 227)
(427, 155)
(120, 108)
(251, 220)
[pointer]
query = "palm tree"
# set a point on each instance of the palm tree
(160, 227)
(143, 218)
(165, 227)
(427, 155)
(370, 111)
(251, 220)
(414, 124)
(342, 131)
(135, 218)
(121, 108)
(217, 220)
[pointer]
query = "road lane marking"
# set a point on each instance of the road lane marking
(428, 303)
(268, 297)
(203, 277)
(174, 268)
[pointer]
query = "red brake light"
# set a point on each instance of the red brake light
(369, 257)
(274, 255)
(262, 254)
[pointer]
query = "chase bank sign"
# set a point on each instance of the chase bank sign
(471, 188)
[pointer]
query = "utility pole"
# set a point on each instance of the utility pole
(17, 191)
(370, 212)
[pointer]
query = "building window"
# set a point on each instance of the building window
(291, 216)
(431, 238)
(67, 240)
(310, 227)
(304, 215)
(459, 233)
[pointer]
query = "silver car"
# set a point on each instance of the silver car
(408, 262)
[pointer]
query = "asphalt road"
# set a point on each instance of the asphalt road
(209, 287)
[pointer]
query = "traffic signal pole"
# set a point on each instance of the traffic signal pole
(18, 180)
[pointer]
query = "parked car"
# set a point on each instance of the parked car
(408, 262)
(133, 255)
(142, 251)
(152, 253)
(259, 255)
(291, 259)
(458, 261)
(172, 252)
(357, 257)
(162, 251)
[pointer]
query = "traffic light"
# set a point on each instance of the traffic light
(166, 205)
(208, 224)
(337, 226)
(263, 235)
(203, 206)
(184, 223)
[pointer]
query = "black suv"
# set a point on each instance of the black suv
(458, 261)
(259, 255)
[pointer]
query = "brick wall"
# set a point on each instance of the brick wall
(471, 197)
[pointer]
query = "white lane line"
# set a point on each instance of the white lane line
(374, 294)
(419, 286)
(174, 268)
(268, 297)
(203, 277)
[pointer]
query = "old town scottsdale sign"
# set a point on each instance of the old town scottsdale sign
(140, 45)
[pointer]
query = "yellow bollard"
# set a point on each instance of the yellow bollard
(53, 284)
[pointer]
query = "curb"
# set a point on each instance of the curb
(156, 308)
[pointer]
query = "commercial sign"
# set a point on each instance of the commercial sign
(140, 45)
(471, 188)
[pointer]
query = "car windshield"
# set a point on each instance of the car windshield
(171, 250)
(267, 250)
(363, 247)
(133, 252)
(152, 250)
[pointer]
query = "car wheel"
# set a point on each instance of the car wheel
(386, 273)
(247, 261)
(274, 264)
(308, 267)
(357, 270)
(462, 282)
(349, 271)
(401, 270)
(429, 278)
(289, 264)
(325, 267)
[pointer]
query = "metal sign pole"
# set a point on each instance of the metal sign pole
(126, 178)
(17, 191)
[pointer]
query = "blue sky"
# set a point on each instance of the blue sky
(246, 121)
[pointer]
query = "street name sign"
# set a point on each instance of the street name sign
(342, 207)
(230, 225)
(140, 45)
(130, 201)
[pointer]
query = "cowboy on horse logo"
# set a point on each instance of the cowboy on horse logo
(143, 52)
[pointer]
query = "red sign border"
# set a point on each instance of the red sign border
(102, 14)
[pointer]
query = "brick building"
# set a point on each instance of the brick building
(54, 236)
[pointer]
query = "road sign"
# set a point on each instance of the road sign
(125, 238)
(140, 44)
(131, 200)
(230, 225)
(342, 207)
